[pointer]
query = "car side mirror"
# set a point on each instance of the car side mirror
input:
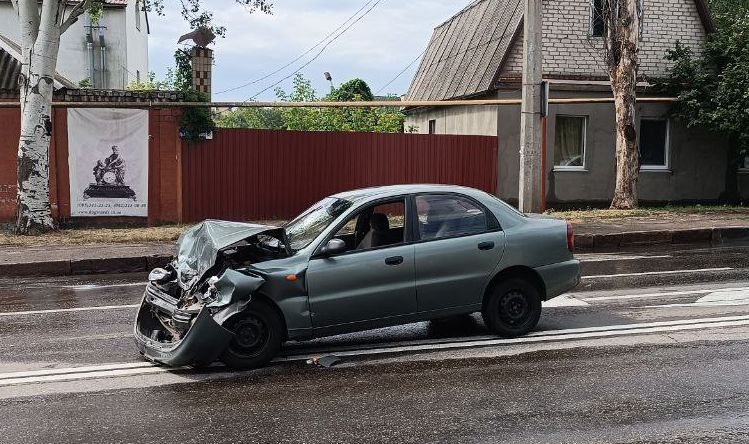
(333, 247)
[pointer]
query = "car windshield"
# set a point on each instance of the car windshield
(301, 231)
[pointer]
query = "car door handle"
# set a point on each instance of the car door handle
(395, 260)
(486, 245)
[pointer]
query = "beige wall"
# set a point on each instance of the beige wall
(467, 120)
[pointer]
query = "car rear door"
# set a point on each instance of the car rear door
(459, 244)
(373, 280)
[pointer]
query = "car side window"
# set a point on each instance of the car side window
(443, 216)
(376, 226)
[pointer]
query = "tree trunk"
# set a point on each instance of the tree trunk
(622, 54)
(36, 84)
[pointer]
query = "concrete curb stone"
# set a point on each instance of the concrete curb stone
(610, 242)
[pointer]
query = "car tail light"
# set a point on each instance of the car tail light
(570, 238)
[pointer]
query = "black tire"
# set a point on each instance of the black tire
(258, 335)
(513, 308)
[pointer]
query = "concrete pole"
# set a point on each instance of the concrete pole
(529, 199)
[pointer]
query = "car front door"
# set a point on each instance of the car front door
(459, 244)
(374, 278)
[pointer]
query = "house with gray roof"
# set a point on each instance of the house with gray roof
(478, 54)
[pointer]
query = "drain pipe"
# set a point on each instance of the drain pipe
(103, 54)
(90, 46)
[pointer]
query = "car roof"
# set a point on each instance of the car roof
(394, 190)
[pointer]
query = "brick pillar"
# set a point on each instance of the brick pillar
(202, 63)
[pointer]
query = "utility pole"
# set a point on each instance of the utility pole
(529, 198)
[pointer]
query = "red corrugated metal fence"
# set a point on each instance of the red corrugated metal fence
(259, 174)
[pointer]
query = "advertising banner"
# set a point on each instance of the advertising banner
(108, 161)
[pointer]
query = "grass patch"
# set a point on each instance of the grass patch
(166, 233)
(591, 214)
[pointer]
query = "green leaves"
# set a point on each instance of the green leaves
(713, 87)
(362, 119)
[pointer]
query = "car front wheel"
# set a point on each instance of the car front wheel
(513, 308)
(258, 335)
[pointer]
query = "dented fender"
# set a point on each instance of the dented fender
(233, 285)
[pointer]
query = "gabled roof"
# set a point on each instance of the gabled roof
(467, 52)
(10, 66)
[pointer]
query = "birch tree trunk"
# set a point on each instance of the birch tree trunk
(40, 44)
(623, 28)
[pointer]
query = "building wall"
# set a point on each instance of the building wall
(569, 50)
(73, 59)
(137, 43)
(462, 120)
(697, 158)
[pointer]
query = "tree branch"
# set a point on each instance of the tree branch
(76, 12)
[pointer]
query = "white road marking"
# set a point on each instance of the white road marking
(60, 371)
(647, 273)
(716, 299)
(622, 258)
(86, 375)
(532, 339)
(66, 310)
(654, 295)
(564, 300)
(93, 286)
(139, 368)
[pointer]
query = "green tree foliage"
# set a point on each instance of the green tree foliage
(363, 119)
(713, 87)
(349, 91)
(195, 122)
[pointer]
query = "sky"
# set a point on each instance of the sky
(376, 48)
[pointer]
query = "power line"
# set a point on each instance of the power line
(319, 53)
(401, 73)
(300, 57)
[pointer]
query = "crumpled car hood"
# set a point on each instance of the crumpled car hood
(198, 247)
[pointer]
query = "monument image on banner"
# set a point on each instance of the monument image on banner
(108, 161)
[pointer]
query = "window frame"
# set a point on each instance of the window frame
(744, 169)
(492, 224)
(591, 16)
(591, 22)
(355, 213)
(667, 148)
(432, 126)
(584, 166)
(137, 15)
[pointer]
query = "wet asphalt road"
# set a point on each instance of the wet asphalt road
(652, 347)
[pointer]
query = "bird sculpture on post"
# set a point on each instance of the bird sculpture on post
(202, 37)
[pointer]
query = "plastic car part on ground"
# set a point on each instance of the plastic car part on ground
(326, 361)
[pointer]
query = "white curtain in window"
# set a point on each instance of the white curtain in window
(568, 146)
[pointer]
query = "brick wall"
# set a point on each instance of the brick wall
(164, 151)
(570, 51)
(202, 65)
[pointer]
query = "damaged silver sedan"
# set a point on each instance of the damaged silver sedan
(354, 261)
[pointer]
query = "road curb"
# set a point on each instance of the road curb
(610, 242)
(702, 236)
(111, 265)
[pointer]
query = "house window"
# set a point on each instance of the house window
(597, 23)
(569, 143)
(654, 144)
(432, 126)
(137, 15)
(744, 163)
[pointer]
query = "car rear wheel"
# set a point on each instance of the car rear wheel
(513, 308)
(258, 334)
